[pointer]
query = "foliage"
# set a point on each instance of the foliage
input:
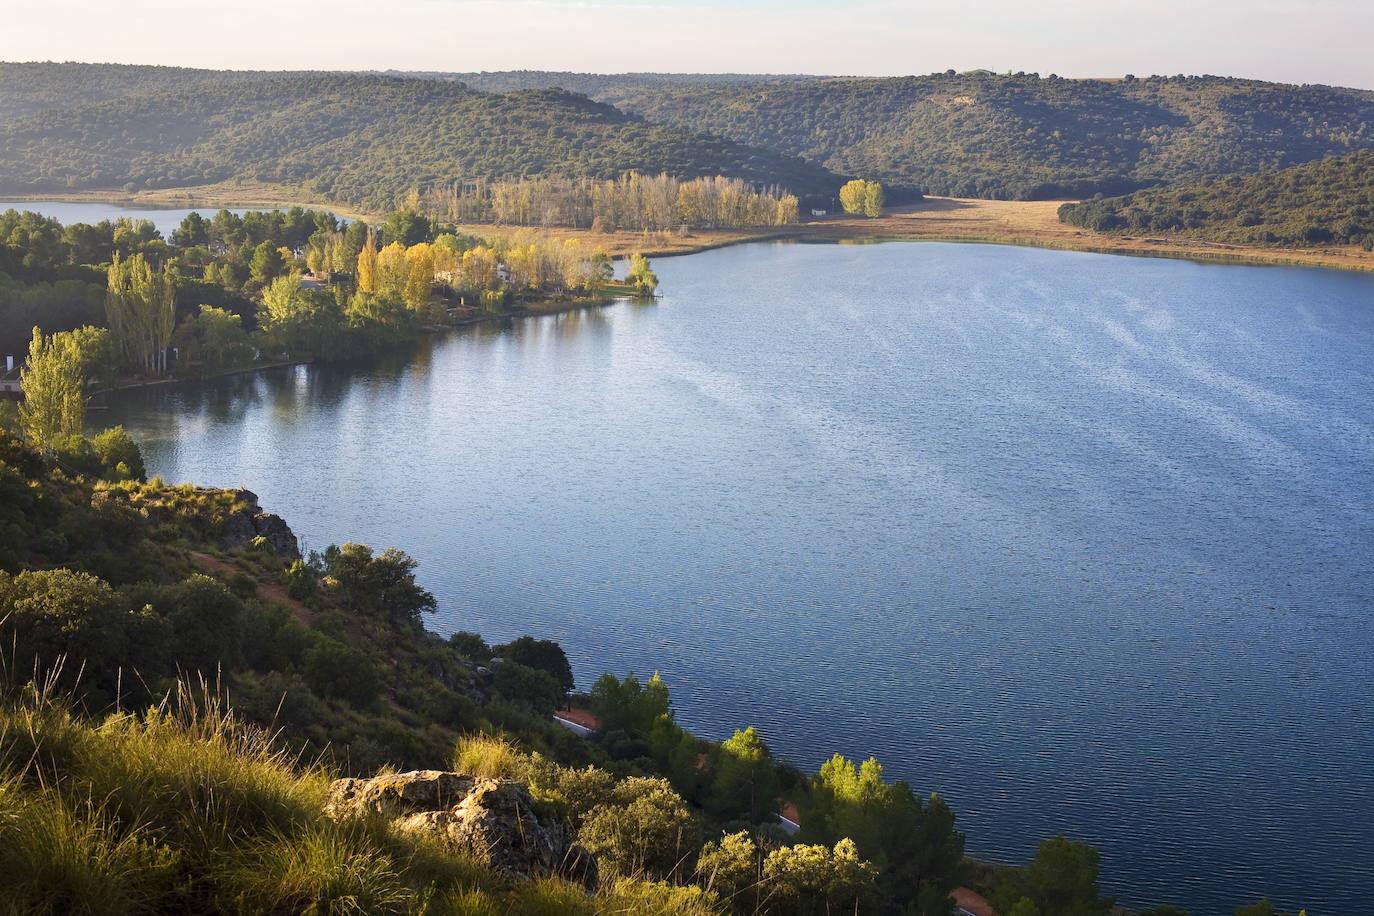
(644, 829)
(364, 140)
(541, 654)
(641, 277)
(914, 846)
(1020, 136)
(805, 880)
(54, 405)
(1330, 201)
(380, 586)
(863, 198)
(140, 305)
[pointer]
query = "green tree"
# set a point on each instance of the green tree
(746, 780)
(140, 305)
(120, 454)
(640, 276)
(49, 615)
(730, 868)
(267, 264)
(541, 654)
(645, 829)
(54, 405)
(382, 585)
(221, 339)
(1063, 879)
(818, 880)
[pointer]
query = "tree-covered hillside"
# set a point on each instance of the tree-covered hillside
(361, 140)
(30, 88)
(1327, 201)
(604, 86)
(1022, 136)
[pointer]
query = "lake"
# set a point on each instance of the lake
(1084, 543)
(66, 212)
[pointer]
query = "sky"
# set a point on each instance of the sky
(1307, 41)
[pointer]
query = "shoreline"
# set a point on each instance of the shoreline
(937, 219)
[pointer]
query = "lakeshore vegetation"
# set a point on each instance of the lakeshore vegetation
(1330, 201)
(222, 292)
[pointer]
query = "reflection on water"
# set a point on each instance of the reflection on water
(1081, 542)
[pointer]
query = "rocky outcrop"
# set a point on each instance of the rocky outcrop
(281, 540)
(246, 521)
(492, 818)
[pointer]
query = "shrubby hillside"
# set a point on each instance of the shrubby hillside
(602, 86)
(362, 140)
(30, 88)
(1330, 201)
(1022, 136)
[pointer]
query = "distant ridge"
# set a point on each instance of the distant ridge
(360, 139)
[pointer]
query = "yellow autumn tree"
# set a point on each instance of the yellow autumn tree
(419, 276)
(367, 265)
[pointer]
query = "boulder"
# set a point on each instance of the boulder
(494, 819)
(280, 538)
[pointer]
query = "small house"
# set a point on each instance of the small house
(10, 387)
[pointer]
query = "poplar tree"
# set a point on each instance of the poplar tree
(54, 406)
(367, 265)
(140, 305)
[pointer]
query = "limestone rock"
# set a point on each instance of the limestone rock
(493, 818)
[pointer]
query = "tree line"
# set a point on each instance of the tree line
(635, 202)
(224, 290)
(1327, 202)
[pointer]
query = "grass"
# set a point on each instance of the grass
(183, 808)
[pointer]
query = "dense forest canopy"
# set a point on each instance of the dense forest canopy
(1327, 201)
(30, 88)
(603, 86)
(1021, 136)
(362, 140)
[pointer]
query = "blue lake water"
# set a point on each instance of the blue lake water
(1085, 543)
(66, 212)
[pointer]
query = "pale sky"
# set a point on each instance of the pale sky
(1316, 41)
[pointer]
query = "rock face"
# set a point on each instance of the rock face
(248, 521)
(280, 538)
(493, 818)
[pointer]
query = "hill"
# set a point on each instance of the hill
(1323, 202)
(603, 86)
(361, 140)
(34, 87)
(1022, 136)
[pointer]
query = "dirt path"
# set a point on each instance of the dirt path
(271, 592)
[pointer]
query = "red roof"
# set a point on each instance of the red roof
(580, 717)
(789, 811)
(972, 901)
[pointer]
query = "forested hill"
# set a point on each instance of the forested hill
(1022, 136)
(362, 140)
(30, 88)
(605, 87)
(1328, 201)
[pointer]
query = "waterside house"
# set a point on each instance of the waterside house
(10, 387)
